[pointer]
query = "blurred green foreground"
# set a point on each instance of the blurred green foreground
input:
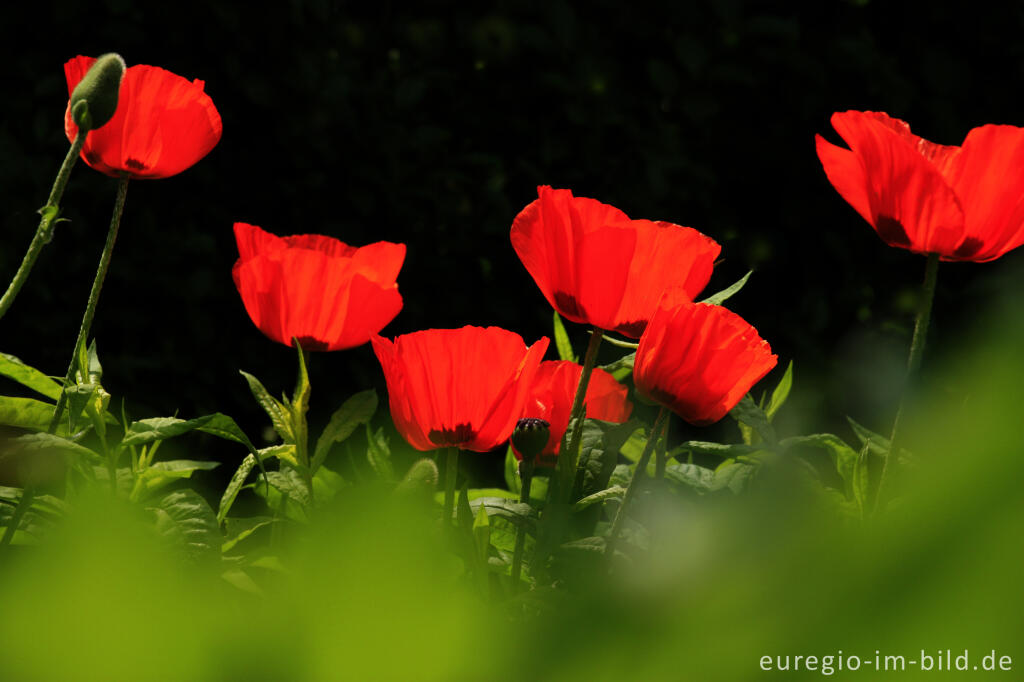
(368, 592)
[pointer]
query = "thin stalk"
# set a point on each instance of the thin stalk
(45, 230)
(659, 451)
(917, 343)
(94, 297)
(634, 483)
(571, 440)
(27, 495)
(526, 473)
(451, 473)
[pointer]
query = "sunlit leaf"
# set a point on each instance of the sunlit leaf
(727, 293)
(353, 413)
(13, 368)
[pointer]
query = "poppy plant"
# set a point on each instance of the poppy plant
(458, 388)
(962, 203)
(596, 266)
(699, 360)
(551, 397)
(328, 295)
(162, 126)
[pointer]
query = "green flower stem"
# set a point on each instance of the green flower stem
(917, 343)
(567, 459)
(27, 495)
(94, 297)
(451, 473)
(45, 230)
(659, 451)
(526, 473)
(300, 406)
(634, 483)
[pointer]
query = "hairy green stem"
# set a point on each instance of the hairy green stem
(634, 482)
(94, 297)
(659, 451)
(567, 459)
(526, 474)
(917, 343)
(451, 473)
(45, 230)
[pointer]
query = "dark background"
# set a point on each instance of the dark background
(432, 123)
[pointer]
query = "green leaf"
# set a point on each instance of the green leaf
(379, 454)
(482, 533)
(518, 513)
(734, 476)
(562, 343)
(236, 530)
(599, 453)
(240, 579)
(326, 485)
(781, 392)
(621, 368)
(13, 368)
(78, 397)
(749, 414)
(422, 475)
(634, 445)
(25, 413)
(163, 474)
(862, 480)
(477, 493)
(843, 456)
(279, 416)
(234, 486)
(697, 478)
(613, 493)
(187, 521)
(878, 444)
(354, 412)
(160, 428)
(723, 450)
(727, 293)
(34, 442)
(95, 369)
(290, 483)
(512, 480)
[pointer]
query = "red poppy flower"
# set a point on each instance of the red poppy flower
(328, 295)
(596, 266)
(552, 393)
(163, 125)
(963, 203)
(461, 388)
(699, 360)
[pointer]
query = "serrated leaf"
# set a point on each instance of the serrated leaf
(234, 486)
(749, 414)
(613, 493)
(290, 483)
(279, 416)
(379, 454)
(781, 392)
(29, 377)
(162, 474)
(354, 412)
(730, 291)
(562, 343)
(160, 428)
(697, 478)
(187, 521)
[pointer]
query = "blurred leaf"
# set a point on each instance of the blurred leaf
(25, 413)
(422, 475)
(13, 368)
(234, 486)
(725, 451)
(698, 478)
(379, 454)
(326, 485)
(279, 415)
(562, 343)
(621, 368)
(862, 480)
(518, 513)
(185, 519)
(727, 293)
(599, 453)
(482, 533)
(781, 392)
(613, 493)
(290, 483)
(162, 474)
(236, 530)
(512, 480)
(34, 442)
(735, 476)
(878, 444)
(354, 412)
(844, 458)
(634, 445)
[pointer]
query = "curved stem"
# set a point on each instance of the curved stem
(45, 230)
(94, 297)
(451, 473)
(526, 473)
(567, 458)
(917, 344)
(634, 483)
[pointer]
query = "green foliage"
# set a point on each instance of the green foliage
(562, 343)
(730, 291)
(353, 413)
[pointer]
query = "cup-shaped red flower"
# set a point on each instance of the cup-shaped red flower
(328, 295)
(461, 388)
(163, 124)
(551, 396)
(963, 203)
(699, 360)
(596, 266)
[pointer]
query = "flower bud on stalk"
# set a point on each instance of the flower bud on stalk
(94, 99)
(529, 438)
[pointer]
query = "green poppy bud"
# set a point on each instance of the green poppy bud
(94, 99)
(530, 437)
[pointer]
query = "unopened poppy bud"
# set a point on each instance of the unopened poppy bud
(530, 437)
(94, 99)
